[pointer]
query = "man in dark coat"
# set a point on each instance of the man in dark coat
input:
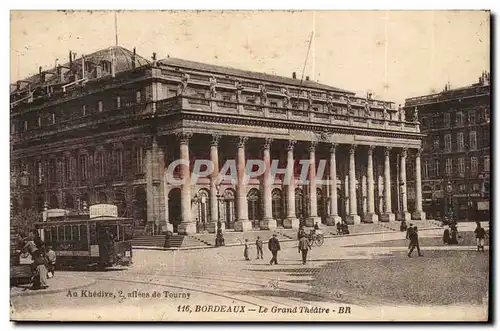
(414, 242)
(304, 246)
(408, 233)
(480, 235)
(274, 247)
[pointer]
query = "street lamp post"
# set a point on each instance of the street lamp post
(219, 238)
(449, 201)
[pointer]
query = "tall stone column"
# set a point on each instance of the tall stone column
(353, 217)
(404, 186)
(242, 223)
(267, 223)
(214, 211)
(371, 216)
(187, 226)
(313, 200)
(333, 218)
(418, 214)
(388, 215)
(291, 221)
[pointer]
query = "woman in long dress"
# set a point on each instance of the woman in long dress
(39, 271)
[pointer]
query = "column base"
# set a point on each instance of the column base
(310, 221)
(418, 215)
(406, 216)
(268, 224)
(333, 220)
(212, 227)
(370, 218)
(291, 223)
(242, 226)
(186, 228)
(353, 219)
(167, 228)
(387, 217)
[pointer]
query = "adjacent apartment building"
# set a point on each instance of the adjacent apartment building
(456, 150)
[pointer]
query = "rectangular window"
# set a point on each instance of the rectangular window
(39, 172)
(447, 120)
(437, 165)
(119, 162)
(472, 140)
(460, 118)
(100, 164)
(426, 169)
(460, 141)
(447, 142)
(473, 165)
(461, 165)
(471, 116)
(118, 102)
(99, 106)
(67, 169)
(487, 163)
(138, 97)
(52, 171)
(448, 166)
(475, 187)
(139, 160)
(83, 167)
(274, 104)
(436, 143)
(84, 110)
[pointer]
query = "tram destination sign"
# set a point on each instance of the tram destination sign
(101, 210)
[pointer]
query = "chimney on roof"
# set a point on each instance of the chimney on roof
(60, 75)
(42, 75)
(70, 58)
(133, 60)
(294, 75)
(307, 77)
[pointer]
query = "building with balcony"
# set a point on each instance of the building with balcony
(456, 152)
(105, 128)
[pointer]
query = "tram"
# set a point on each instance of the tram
(98, 238)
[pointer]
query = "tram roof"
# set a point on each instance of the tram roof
(86, 220)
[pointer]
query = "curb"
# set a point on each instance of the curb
(154, 248)
(52, 291)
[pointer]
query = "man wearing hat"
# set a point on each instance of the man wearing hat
(274, 247)
(408, 234)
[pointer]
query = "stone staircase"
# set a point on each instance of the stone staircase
(175, 241)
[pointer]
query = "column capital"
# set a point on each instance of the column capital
(267, 143)
(419, 152)
(387, 151)
(242, 141)
(184, 137)
(312, 145)
(404, 152)
(370, 149)
(291, 144)
(215, 140)
(333, 147)
(352, 149)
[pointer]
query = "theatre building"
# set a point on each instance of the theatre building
(104, 128)
(456, 150)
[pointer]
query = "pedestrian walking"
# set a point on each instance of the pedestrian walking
(446, 235)
(274, 247)
(258, 244)
(304, 247)
(414, 242)
(408, 234)
(301, 233)
(480, 235)
(245, 252)
(50, 257)
(339, 228)
(39, 271)
(403, 227)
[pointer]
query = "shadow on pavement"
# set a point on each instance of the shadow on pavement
(308, 297)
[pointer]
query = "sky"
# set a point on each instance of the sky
(391, 54)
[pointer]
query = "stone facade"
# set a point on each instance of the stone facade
(113, 138)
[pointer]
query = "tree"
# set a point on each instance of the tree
(24, 219)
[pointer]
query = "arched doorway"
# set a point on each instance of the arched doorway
(203, 202)
(140, 206)
(321, 205)
(121, 204)
(102, 197)
(300, 206)
(54, 202)
(277, 201)
(174, 208)
(253, 200)
(229, 208)
(69, 203)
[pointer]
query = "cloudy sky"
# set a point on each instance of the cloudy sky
(393, 54)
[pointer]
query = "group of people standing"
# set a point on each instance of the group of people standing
(44, 259)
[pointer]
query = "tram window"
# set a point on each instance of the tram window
(60, 233)
(67, 232)
(53, 233)
(93, 234)
(74, 230)
(127, 232)
(83, 232)
(48, 237)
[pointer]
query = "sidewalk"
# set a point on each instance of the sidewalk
(63, 281)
